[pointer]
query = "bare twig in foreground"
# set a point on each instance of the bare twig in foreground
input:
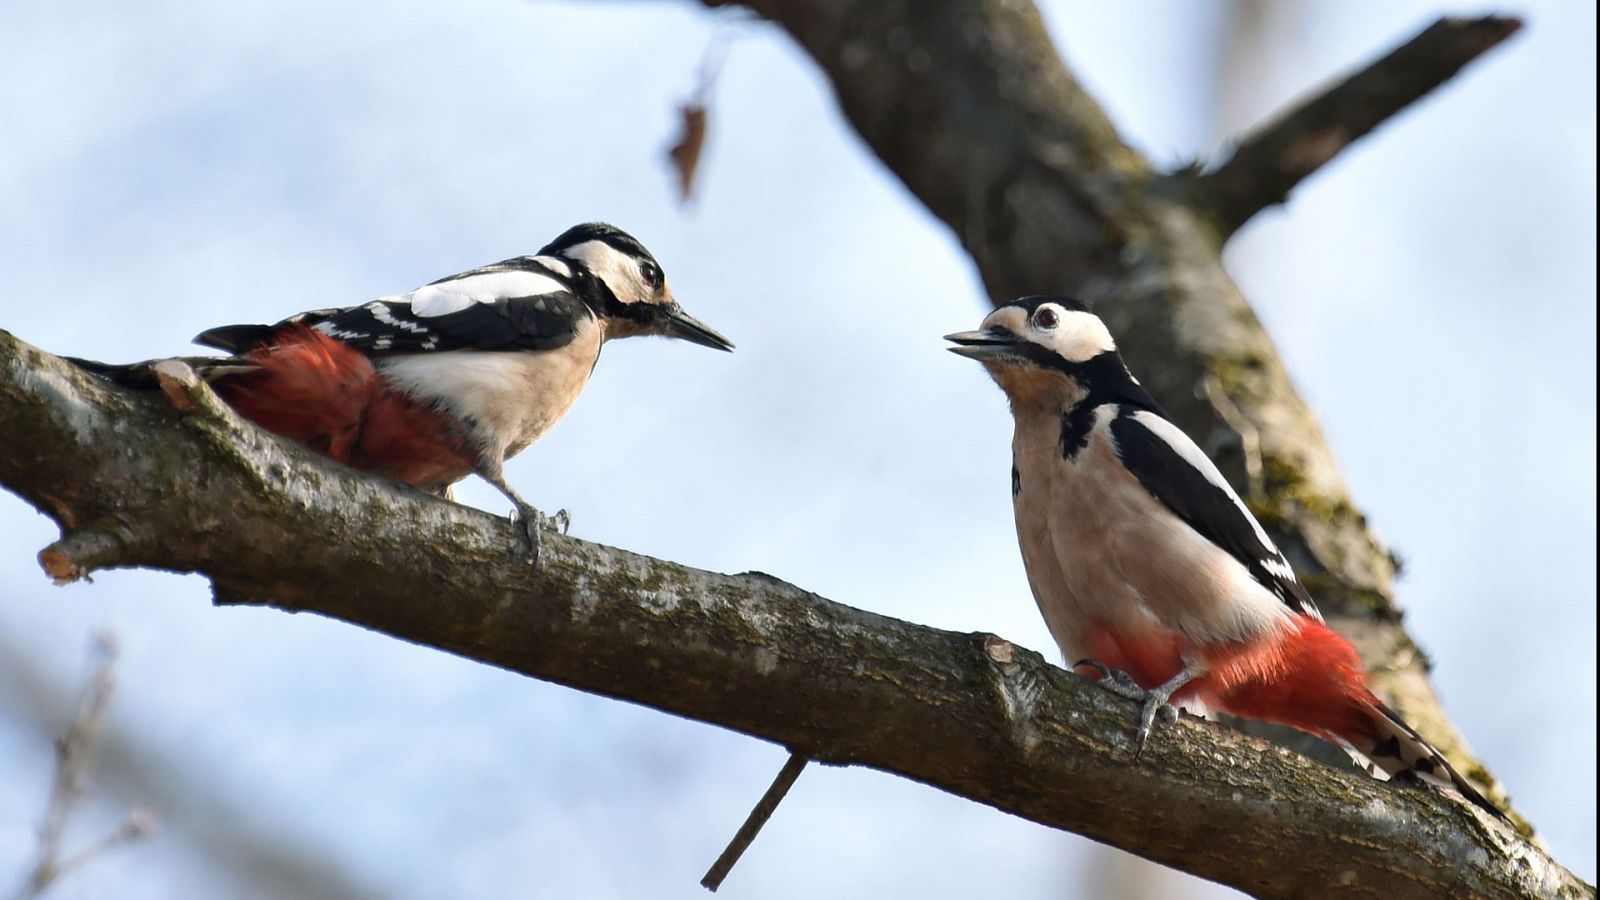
(74, 759)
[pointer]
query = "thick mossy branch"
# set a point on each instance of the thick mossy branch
(971, 714)
(969, 103)
(1268, 163)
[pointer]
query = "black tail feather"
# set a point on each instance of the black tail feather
(140, 377)
(235, 338)
(1399, 751)
(133, 375)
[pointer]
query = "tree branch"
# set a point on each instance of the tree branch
(1268, 163)
(271, 524)
(970, 105)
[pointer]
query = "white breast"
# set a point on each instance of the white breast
(1036, 450)
(506, 398)
(1102, 552)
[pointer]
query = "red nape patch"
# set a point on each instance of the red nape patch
(326, 395)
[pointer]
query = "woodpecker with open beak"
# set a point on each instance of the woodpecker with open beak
(453, 378)
(1146, 563)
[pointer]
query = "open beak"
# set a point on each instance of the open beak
(686, 327)
(992, 343)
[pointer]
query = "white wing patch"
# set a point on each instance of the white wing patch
(458, 294)
(1277, 567)
(381, 312)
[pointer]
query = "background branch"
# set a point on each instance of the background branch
(259, 857)
(75, 759)
(1269, 162)
(970, 714)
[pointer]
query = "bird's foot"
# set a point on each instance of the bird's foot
(1153, 703)
(533, 524)
(1155, 707)
(560, 522)
(1114, 680)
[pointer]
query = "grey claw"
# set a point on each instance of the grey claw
(1155, 708)
(532, 522)
(1153, 703)
(1147, 719)
(1114, 680)
(560, 522)
(1095, 664)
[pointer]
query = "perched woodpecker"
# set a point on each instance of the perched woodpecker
(1145, 562)
(453, 378)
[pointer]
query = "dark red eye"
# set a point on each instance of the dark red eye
(1046, 318)
(651, 275)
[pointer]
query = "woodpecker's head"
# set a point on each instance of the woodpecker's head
(1044, 350)
(625, 286)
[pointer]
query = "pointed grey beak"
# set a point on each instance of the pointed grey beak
(982, 345)
(686, 327)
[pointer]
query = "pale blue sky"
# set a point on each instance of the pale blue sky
(176, 165)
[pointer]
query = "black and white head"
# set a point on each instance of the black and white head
(625, 286)
(1046, 350)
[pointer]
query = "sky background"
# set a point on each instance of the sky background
(170, 166)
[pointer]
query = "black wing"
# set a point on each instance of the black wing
(539, 322)
(1178, 473)
(515, 305)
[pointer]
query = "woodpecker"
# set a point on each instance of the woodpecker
(450, 379)
(1145, 562)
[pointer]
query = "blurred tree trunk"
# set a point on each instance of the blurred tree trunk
(1249, 38)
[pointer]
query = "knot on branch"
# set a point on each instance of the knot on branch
(101, 544)
(1015, 680)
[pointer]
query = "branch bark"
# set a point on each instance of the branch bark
(969, 103)
(967, 713)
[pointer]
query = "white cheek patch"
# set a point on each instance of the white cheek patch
(454, 296)
(1080, 336)
(619, 271)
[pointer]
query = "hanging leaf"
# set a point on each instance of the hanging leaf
(685, 154)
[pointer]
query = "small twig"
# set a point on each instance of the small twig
(1271, 161)
(74, 758)
(1249, 435)
(752, 824)
(138, 825)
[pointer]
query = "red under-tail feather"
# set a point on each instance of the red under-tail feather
(1308, 677)
(324, 394)
(304, 386)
